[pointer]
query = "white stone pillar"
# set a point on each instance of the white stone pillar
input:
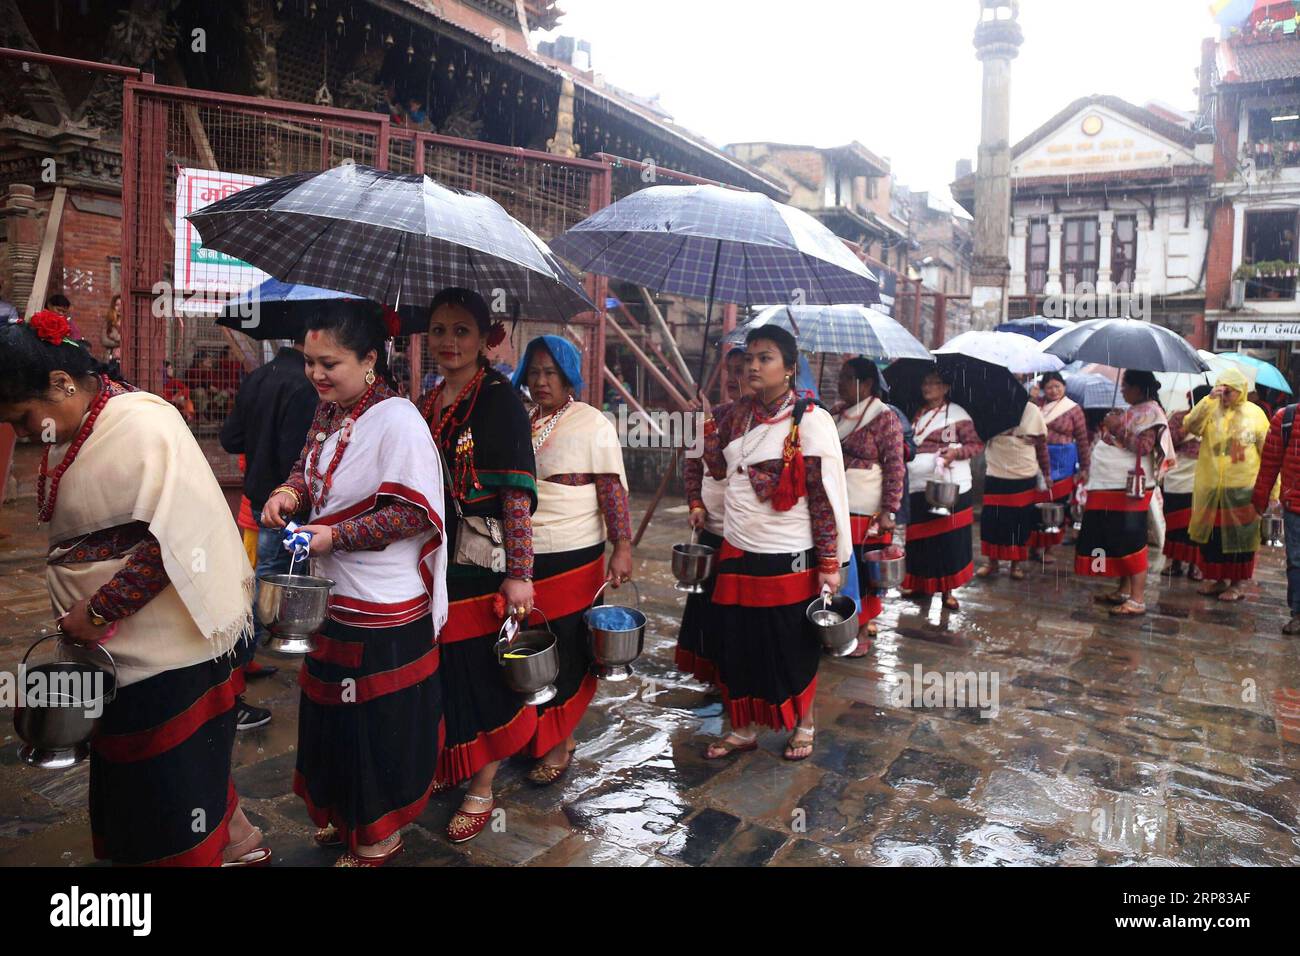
(1054, 229)
(1105, 233)
(1017, 250)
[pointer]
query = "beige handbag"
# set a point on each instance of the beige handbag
(479, 541)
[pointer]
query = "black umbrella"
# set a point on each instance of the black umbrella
(1126, 343)
(395, 239)
(991, 395)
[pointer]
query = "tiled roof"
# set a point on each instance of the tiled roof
(1260, 61)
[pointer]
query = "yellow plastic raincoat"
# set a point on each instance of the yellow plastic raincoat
(1232, 437)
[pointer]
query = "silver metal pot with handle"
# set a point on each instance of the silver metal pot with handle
(529, 659)
(693, 564)
(1052, 515)
(941, 495)
(833, 620)
(61, 702)
(615, 635)
(293, 607)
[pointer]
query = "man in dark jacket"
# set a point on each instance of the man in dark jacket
(268, 426)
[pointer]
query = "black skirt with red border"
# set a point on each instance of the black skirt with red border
(369, 728)
(486, 720)
(1178, 543)
(564, 584)
(160, 786)
(1219, 565)
(1113, 540)
(1008, 517)
(697, 650)
(939, 554)
(767, 660)
(870, 604)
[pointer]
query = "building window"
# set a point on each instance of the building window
(1270, 238)
(1037, 255)
(1079, 253)
(1123, 251)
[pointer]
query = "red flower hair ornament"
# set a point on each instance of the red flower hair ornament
(496, 334)
(51, 327)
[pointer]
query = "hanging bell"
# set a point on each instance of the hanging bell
(389, 41)
(311, 10)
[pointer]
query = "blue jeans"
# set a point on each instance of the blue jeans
(272, 558)
(1291, 522)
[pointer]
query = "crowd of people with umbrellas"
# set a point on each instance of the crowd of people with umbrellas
(444, 526)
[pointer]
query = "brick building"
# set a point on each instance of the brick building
(1250, 98)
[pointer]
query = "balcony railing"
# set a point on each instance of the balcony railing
(1275, 153)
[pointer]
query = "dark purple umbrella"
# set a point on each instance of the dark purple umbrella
(722, 245)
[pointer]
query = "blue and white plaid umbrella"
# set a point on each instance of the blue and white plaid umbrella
(1036, 327)
(839, 330)
(398, 240)
(1091, 390)
(721, 245)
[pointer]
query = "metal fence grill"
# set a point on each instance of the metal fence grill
(187, 358)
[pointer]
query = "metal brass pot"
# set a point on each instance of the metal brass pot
(529, 660)
(941, 495)
(614, 650)
(1274, 530)
(293, 607)
(60, 709)
(834, 622)
(692, 566)
(1051, 513)
(885, 568)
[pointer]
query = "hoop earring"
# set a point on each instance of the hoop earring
(370, 376)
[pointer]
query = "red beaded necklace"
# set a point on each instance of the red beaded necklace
(45, 506)
(431, 402)
(326, 478)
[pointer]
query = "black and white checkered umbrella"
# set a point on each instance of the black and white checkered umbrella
(398, 240)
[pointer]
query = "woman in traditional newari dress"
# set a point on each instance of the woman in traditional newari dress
(368, 489)
(874, 466)
(1113, 540)
(1018, 467)
(483, 432)
(1224, 524)
(697, 638)
(145, 559)
(786, 536)
(1068, 450)
(581, 503)
(939, 546)
(1177, 492)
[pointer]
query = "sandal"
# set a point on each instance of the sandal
(357, 859)
(254, 855)
(1113, 597)
(328, 835)
(986, 571)
(792, 744)
(951, 603)
(1196, 574)
(1231, 595)
(1129, 608)
(1017, 574)
(733, 743)
(465, 824)
(1212, 589)
(545, 773)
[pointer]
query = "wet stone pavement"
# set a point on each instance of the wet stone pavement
(1174, 739)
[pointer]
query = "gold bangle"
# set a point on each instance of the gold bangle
(297, 498)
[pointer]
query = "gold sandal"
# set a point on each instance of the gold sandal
(792, 744)
(394, 844)
(727, 746)
(544, 773)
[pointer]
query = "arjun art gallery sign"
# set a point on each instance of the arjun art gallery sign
(206, 279)
(1234, 331)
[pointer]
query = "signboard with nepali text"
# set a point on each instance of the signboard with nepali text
(206, 279)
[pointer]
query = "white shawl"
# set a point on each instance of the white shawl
(583, 442)
(391, 453)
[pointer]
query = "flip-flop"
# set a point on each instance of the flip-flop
(951, 604)
(1231, 596)
(726, 749)
(1018, 574)
(1213, 590)
(790, 744)
(1113, 597)
(1129, 608)
(986, 571)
